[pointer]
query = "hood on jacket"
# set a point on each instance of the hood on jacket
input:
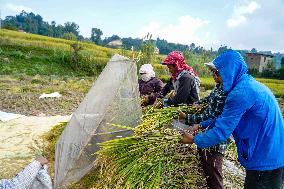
(231, 67)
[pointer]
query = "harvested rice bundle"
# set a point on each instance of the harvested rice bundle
(153, 159)
(154, 119)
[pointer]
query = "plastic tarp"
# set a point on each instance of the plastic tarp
(4, 116)
(114, 98)
(51, 95)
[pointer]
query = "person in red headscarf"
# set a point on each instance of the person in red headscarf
(184, 80)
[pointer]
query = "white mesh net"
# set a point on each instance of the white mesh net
(114, 98)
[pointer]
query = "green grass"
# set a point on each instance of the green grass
(30, 54)
(27, 39)
(275, 81)
(15, 59)
(276, 88)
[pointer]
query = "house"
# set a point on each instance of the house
(115, 43)
(258, 61)
(23, 31)
(157, 50)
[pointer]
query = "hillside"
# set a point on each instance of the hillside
(32, 64)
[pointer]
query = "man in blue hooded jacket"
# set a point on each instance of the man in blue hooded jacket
(252, 114)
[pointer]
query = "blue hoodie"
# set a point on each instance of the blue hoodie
(251, 114)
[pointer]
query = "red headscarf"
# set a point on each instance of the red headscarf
(176, 58)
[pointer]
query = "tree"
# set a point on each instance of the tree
(71, 27)
(45, 29)
(270, 70)
(192, 46)
(253, 50)
(10, 21)
(128, 43)
(163, 46)
(109, 39)
(81, 38)
(9, 26)
(281, 70)
(53, 24)
(222, 49)
(271, 66)
(58, 31)
(96, 35)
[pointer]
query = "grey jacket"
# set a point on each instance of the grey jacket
(186, 90)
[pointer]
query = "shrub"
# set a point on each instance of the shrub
(69, 36)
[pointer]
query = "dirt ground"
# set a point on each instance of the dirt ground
(20, 141)
(21, 95)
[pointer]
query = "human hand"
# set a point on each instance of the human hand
(187, 138)
(145, 100)
(182, 115)
(158, 104)
(196, 105)
(41, 160)
(171, 94)
(193, 129)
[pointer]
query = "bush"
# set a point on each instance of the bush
(148, 55)
(164, 78)
(17, 54)
(10, 27)
(69, 36)
(281, 73)
(60, 56)
(196, 61)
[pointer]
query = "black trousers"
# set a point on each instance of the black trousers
(273, 179)
(211, 162)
